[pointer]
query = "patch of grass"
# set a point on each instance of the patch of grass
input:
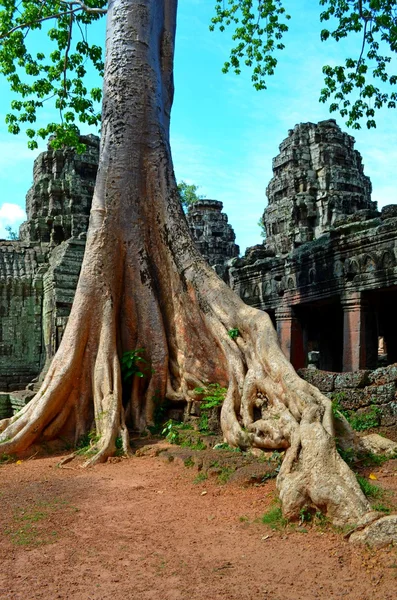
(368, 488)
(274, 518)
(379, 507)
(370, 459)
(225, 475)
(200, 478)
(188, 462)
(320, 519)
(25, 530)
(225, 446)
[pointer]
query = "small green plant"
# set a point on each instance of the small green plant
(274, 518)
(212, 395)
(203, 423)
(305, 516)
(11, 234)
(357, 421)
(369, 489)
(6, 458)
(86, 443)
(119, 447)
(225, 446)
(320, 519)
(200, 477)
(379, 507)
(160, 410)
(134, 365)
(170, 430)
(225, 474)
(233, 333)
(188, 462)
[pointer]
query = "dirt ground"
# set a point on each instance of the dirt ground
(145, 528)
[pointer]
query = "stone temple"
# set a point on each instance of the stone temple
(326, 272)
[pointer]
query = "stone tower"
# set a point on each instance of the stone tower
(318, 178)
(213, 235)
(59, 201)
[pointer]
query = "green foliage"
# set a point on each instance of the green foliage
(6, 458)
(212, 395)
(225, 474)
(369, 489)
(200, 477)
(87, 442)
(358, 421)
(233, 333)
(134, 365)
(262, 227)
(11, 234)
(305, 515)
(274, 518)
(170, 430)
(188, 462)
(258, 30)
(225, 446)
(188, 194)
(358, 87)
(56, 77)
(379, 507)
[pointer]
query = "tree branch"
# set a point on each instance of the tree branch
(80, 6)
(80, 3)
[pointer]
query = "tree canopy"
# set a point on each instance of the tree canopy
(188, 194)
(355, 89)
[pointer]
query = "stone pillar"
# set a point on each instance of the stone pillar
(359, 333)
(290, 336)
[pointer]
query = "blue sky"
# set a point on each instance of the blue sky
(224, 134)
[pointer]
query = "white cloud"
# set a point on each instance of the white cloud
(11, 215)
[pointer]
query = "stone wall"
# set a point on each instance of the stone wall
(360, 390)
(22, 267)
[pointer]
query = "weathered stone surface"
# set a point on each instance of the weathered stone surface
(19, 399)
(5, 406)
(379, 534)
(356, 379)
(383, 375)
(213, 235)
(318, 180)
(323, 380)
(59, 202)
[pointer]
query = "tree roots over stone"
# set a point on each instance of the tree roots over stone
(144, 285)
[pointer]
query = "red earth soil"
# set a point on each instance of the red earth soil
(142, 529)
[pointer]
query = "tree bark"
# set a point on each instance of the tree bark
(144, 285)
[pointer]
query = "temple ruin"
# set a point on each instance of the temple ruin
(326, 271)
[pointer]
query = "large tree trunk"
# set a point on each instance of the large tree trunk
(144, 285)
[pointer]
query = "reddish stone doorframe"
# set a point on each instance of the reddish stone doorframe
(354, 339)
(290, 335)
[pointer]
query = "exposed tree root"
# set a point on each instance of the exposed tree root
(144, 285)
